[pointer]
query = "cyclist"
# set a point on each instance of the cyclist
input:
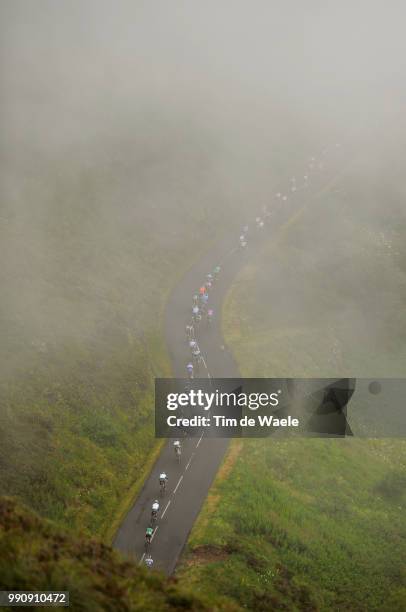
(209, 277)
(245, 229)
(163, 479)
(204, 298)
(178, 448)
(210, 314)
(216, 272)
(190, 332)
(148, 535)
(195, 299)
(243, 242)
(202, 290)
(155, 508)
(208, 285)
(189, 368)
(196, 355)
(192, 344)
(195, 313)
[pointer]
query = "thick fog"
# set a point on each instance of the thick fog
(107, 103)
(77, 70)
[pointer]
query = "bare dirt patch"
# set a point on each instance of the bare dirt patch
(208, 554)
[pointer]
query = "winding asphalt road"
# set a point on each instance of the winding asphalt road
(190, 481)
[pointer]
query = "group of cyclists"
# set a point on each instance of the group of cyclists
(203, 313)
(163, 479)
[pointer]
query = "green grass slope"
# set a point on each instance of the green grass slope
(90, 246)
(314, 524)
(93, 236)
(35, 556)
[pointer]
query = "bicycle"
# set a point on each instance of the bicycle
(148, 537)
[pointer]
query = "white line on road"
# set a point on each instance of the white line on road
(155, 530)
(142, 559)
(166, 508)
(179, 481)
(228, 254)
(200, 439)
(189, 462)
(205, 365)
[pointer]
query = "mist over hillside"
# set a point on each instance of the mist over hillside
(136, 135)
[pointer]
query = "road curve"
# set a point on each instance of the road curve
(190, 481)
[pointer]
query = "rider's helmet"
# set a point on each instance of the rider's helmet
(149, 561)
(217, 269)
(242, 237)
(162, 475)
(195, 309)
(176, 443)
(202, 290)
(190, 366)
(210, 312)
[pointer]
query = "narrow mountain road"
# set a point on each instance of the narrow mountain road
(190, 481)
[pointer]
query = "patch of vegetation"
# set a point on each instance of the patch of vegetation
(314, 524)
(93, 235)
(300, 525)
(91, 247)
(36, 556)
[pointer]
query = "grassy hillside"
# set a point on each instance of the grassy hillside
(314, 524)
(91, 243)
(34, 555)
(93, 235)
